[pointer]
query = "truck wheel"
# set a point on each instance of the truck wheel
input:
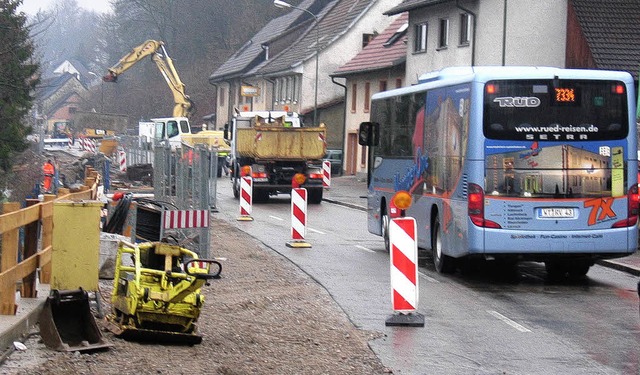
(260, 196)
(236, 188)
(315, 196)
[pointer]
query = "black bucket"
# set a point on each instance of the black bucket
(67, 324)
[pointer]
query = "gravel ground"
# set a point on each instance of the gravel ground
(264, 316)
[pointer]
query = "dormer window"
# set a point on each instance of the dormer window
(402, 30)
(367, 38)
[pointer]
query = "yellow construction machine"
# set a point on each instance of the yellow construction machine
(156, 292)
(183, 106)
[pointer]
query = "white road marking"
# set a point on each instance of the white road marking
(365, 249)
(429, 279)
(510, 322)
(315, 231)
(343, 206)
(276, 218)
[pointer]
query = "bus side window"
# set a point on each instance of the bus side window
(369, 134)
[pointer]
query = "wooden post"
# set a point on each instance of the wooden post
(10, 243)
(31, 232)
(47, 236)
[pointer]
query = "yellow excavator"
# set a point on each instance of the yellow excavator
(183, 106)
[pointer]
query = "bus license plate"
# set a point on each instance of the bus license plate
(557, 213)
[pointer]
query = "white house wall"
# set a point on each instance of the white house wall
(339, 52)
(353, 119)
(527, 35)
(535, 32)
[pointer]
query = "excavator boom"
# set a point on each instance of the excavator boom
(183, 105)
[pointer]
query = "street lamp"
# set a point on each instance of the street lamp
(283, 4)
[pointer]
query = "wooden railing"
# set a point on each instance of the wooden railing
(37, 221)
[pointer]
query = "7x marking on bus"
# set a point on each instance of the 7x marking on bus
(602, 206)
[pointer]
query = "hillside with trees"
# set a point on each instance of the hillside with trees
(199, 35)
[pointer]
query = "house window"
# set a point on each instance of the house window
(420, 38)
(443, 38)
(465, 29)
(221, 97)
(367, 38)
(367, 96)
(383, 86)
(354, 97)
(398, 83)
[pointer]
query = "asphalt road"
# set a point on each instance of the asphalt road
(484, 322)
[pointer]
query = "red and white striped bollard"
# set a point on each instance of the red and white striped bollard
(326, 174)
(404, 273)
(122, 160)
(298, 218)
(246, 198)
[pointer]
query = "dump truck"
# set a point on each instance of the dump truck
(273, 147)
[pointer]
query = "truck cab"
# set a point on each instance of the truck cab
(170, 129)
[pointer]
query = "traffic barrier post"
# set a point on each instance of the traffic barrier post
(404, 273)
(326, 174)
(246, 198)
(298, 218)
(122, 159)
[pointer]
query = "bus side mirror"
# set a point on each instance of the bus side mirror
(369, 134)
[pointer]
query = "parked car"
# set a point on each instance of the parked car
(335, 157)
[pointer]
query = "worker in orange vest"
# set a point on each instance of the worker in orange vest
(49, 170)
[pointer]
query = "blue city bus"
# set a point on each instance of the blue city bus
(509, 163)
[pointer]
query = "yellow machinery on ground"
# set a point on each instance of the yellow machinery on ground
(157, 298)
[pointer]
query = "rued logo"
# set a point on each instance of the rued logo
(518, 101)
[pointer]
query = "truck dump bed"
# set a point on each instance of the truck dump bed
(210, 138)
(281, 143)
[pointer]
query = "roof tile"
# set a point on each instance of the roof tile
(612, 31)
(376, 55)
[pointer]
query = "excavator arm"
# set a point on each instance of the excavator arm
(183, 105)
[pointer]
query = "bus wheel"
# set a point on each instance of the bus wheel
(443, 263)
(579, 268)
(556, 270)
(385, 231)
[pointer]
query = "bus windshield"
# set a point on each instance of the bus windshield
(555, 110)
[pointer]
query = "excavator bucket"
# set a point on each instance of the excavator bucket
(67, 325)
